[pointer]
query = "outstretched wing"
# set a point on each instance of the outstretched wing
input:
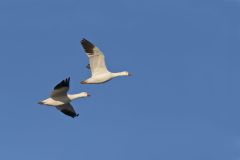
(68, 110)
(61, 89)
(96, 57)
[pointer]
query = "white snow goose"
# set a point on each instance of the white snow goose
(61, 100)
(100, 73)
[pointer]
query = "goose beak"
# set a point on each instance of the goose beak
(129, 74)
(88, 95)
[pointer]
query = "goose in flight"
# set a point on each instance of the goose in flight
(61, 100)
(100, 73)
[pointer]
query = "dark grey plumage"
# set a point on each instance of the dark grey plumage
(63, 83)
(69, 113)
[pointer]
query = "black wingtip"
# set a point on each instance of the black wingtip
(69, 113)
(84, 40)
(68, 80)
(63, 83)
(87, 45)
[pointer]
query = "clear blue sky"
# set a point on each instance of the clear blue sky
(181, 104)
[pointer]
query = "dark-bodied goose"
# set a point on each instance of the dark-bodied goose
(100, 73)
(61, 100)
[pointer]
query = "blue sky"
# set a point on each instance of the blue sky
(182, 102)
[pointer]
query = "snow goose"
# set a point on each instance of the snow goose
(100, 73)
(61, 100)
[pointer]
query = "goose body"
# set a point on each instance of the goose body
(61, 100)
(100, 73)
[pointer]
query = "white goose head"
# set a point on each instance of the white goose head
(126, 73)
(85, 94)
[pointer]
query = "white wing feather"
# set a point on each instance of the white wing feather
(96, 58)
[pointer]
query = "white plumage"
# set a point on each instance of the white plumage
(100, 73)
(61, 100)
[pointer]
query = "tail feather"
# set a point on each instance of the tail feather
(83, 82)
(40, 102)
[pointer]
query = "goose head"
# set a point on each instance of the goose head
(125, 73)
(85, 94)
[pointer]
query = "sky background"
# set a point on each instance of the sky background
(181, 104)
